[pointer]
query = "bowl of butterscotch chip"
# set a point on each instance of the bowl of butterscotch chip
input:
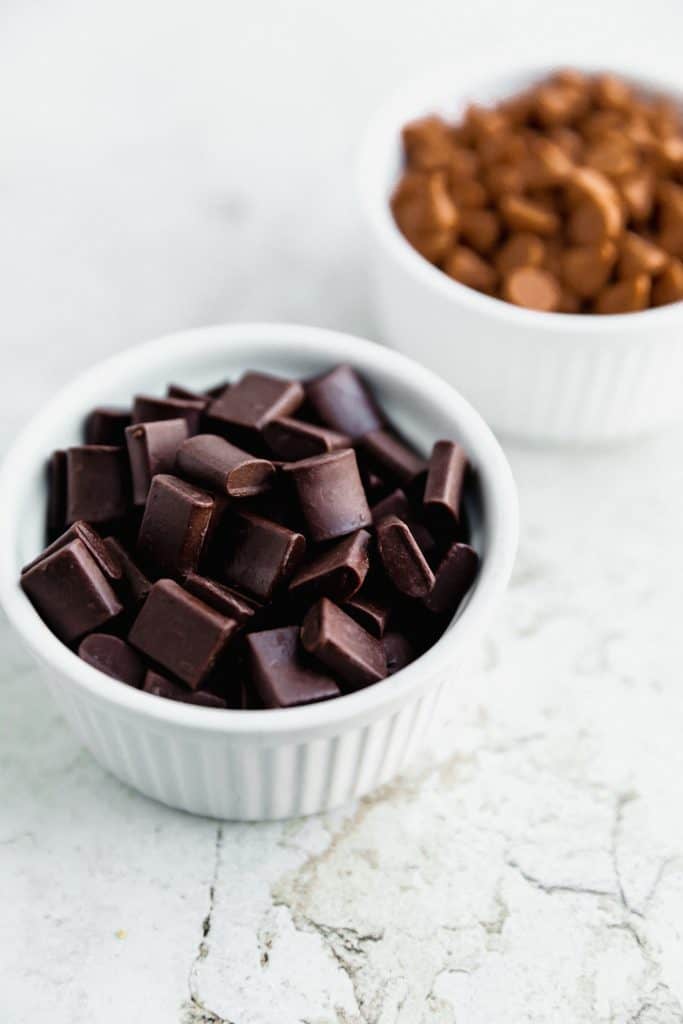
(527, 244)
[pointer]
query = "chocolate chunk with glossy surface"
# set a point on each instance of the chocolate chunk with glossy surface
(148, 409)
(337, 572)
(160, 686)
(399, 651)
(330, 494)
(178, 391)
(225, 600)
(344, 647)
(174, 527)
(114, 657)
(152, 449)
(70, 592)
(97, 483)
(393, 458)
(254, 400)
(342, 401)
(280, 672)
(394, 504)
(107, 425)
(445, 480)
(454, 577)
(213, 462)
(134, 586)
(292, 440)
(181, 633)
(403, 560)
(107, 561)
(55, 520)
(370, 608)
(261, 555)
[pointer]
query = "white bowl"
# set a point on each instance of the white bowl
(255, 764)
(535, 376)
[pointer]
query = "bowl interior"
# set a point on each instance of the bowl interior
(421, 406)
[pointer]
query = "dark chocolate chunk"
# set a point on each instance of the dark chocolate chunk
(152, 449)
(330, 494)
(399, 651)
(445, 479)
(292, 440)
(108, 562)
(177, 391)
(107, 425)
(403, 561)
(160, 686)
(395, 504)
(337, 572)
(134, 586)
(148, 409)
(342, 401)
(55, 522)
(216, 390)
(344, 647)
(261, 555)
(114, 657)
(225, 600)
(254, 400)
(215, 463)
(70, 592)
(181, 633)
(370, 608)
(97, 483)
(454, 577)
(393, 458)
(174, 527)
(280, 673)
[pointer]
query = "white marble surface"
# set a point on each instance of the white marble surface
(168, 164)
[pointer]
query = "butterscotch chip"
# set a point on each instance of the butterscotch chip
(520, 250)
(669, 153)
(569, 302)
(480, 229)
(638, 195)
(640, 256)
(532, 288)
(670, 198)
(628, 296)
(598, 214)
(463, 163)
(559, 104)
(547, 164)
(467, 267)
(669, 285)
(586, 269)
(522, 214)
(614, 156)
(428, 143)
(481, 121)
(468, 193)
(572, 77)
(569, 141)
(425, 214)
(505, 179)
(505, 146)
(599, 123)
(612, 93)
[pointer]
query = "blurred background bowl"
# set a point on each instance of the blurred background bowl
(540, 377)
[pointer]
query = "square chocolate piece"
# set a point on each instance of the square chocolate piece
(174, 527)
(261, 555)
(279, 670)
(70, 592)
(253, 401)
(97, 483)
(181, 633)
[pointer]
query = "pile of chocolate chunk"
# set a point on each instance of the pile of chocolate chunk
(266, 543)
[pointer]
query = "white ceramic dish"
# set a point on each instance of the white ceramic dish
(536, 376)
(255, 764)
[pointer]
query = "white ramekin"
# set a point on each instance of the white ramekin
(254, 764)
(534, 376)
